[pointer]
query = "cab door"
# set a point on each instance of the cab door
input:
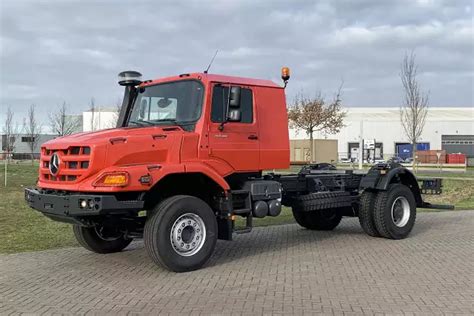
(235, 142)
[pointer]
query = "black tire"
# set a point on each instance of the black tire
(157, 235)
(317, 220)
(385, 222)
(366, 213)
(88, 238)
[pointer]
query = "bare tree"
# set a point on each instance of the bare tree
(63, 124)
(315, 114)
(116, 114)
(414, 109)
(92, 110)
(10, 133)
(32, 131)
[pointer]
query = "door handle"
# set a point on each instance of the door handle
(253, 137)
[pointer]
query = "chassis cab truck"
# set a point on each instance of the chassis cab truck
(187, 157)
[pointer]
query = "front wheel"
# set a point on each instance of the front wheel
(101, 239)
(181, 233)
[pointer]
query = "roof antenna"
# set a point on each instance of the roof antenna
(212, 60)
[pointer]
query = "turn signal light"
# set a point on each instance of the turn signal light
(112, 179)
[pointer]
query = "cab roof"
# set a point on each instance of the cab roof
(206, 78)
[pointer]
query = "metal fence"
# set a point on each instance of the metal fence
(427, 158)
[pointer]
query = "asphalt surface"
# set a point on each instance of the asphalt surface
(273, 270)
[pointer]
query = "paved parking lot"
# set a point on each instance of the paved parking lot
(273, 270)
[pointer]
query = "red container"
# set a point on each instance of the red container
(431, 156)
(451, 158)
(456, 158)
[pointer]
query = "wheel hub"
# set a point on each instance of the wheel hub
(400, 211)
(188, 234)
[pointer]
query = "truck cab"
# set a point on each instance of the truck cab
(187, 157)
(176, 125)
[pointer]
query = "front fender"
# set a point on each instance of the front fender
(197, 167)
(157, 173)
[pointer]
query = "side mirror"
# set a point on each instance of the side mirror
(234, 116)
(234, 97)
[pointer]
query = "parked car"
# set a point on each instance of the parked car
(396, 159)
(346, 160)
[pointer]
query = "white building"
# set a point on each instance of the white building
(22, 145)
(444, 127)
(100, 118)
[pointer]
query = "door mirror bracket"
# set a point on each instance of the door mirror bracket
(233, 101)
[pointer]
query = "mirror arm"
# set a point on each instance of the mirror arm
(221, 127)
(225, 111)
(224, 121)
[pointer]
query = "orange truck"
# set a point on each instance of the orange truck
(188, 156)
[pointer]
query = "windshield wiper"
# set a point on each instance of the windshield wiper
(165, 120)
(182, 124)
(160, 122)
(141, 123)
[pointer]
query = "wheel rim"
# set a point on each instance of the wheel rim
(400, 211)
(188, 234)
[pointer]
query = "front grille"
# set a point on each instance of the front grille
(74, 163)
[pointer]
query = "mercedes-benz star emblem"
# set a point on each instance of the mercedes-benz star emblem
(54, 164)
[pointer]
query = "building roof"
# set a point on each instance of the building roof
(102, 109)
(393, 113)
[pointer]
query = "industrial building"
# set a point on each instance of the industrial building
(21, 148)
(446, 128)
(100, 118)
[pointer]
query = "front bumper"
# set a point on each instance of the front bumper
(67, 207)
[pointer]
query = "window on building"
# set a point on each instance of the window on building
(370, 154)
(27, 139)
(220, 95)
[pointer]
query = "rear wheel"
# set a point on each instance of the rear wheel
(181, 233)
(395, 212)
(317, 220)
(366, 213)
(101, 239)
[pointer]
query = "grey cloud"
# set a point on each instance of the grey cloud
(72, 50)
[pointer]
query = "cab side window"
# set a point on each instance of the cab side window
(220, 97)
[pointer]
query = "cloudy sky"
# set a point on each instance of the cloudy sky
(72, 50)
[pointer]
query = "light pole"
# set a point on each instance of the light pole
(6, 167)
(361, 145)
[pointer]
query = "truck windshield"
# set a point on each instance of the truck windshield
(171, 103)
